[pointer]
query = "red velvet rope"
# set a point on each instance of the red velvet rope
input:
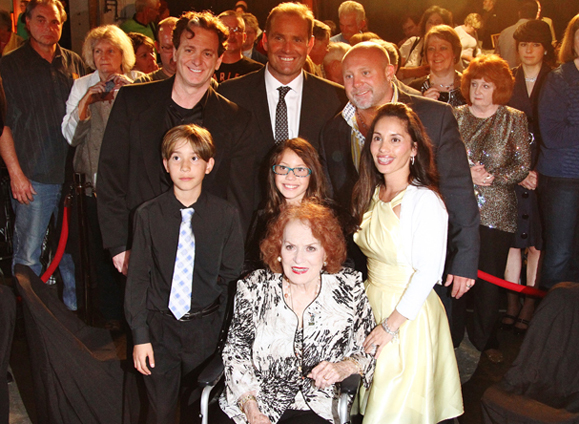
(60, 249)
(531, 291)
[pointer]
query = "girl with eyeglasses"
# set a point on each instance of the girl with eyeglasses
(294, 173)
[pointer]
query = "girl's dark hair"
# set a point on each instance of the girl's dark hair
(423, 173)
(317, 187)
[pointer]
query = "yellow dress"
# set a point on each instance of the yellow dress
(416, 378)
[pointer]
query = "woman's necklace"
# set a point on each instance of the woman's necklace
(444, 86)
(531, 69)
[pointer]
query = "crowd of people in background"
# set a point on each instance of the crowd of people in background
(353, 185)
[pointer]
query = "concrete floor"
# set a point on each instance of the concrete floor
(18, 413)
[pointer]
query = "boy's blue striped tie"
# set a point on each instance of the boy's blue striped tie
(180, 297)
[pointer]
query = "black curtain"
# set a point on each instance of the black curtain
(77, 374)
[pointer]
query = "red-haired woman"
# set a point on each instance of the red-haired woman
(298, 327)
(498, 148)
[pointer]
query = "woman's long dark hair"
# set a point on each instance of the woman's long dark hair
(422, 173)
(317, 188)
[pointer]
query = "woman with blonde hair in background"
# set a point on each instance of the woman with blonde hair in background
(468, 34)
(441, 52)
(110, 51)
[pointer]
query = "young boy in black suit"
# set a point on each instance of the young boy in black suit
(187, 247)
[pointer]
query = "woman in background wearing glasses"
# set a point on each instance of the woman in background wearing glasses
(294, 174)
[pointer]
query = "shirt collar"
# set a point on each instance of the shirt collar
(348, 114)
(395, 93)
(58, 57)
(272, 84)
(200, 206)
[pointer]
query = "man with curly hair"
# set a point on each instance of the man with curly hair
(130, 165)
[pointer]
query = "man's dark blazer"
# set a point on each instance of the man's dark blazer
(131, 169)
(321, 100)
(451, 161)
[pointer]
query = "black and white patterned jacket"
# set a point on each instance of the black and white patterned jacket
(260, 356)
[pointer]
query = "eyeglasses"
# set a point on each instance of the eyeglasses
(235, 30)
(298, 172)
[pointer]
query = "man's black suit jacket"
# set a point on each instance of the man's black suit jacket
(321, 100)
(451, 161)
(131, 169)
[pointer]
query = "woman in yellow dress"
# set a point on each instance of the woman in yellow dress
(403, 232)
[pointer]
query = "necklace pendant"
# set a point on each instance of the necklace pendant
(312, 319)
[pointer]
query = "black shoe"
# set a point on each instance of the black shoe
(507, 327)
(521, 331)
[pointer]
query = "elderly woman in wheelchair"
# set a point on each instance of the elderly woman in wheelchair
(298, 328)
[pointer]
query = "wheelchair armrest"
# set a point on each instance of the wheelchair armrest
(212, 372)
(350, 385)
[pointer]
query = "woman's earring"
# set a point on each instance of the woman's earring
(545, 53)
(279, 258)
(325, 264)
(412, 160)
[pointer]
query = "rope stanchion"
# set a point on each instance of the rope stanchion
(531, 291)
(61, 246)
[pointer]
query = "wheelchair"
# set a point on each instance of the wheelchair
(213, 373)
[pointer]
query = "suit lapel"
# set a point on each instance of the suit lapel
(262, 107)
(404, 98)
(308, 113)
(213, 122)
(151, 129)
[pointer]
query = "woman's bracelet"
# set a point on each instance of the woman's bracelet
(355, 362)
(388, 330)
(242, 401)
